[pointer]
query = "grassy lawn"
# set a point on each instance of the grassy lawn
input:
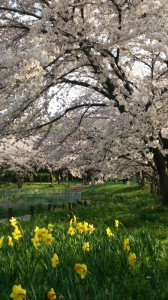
(36, 194)
(124, 261)
(36, 185)
(139, 208)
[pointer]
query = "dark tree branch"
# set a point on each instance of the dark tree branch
(65, 113)
(18, 26)
(84, 84)
(21, 12)
(76, 127)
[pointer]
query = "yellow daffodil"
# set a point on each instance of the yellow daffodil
(116, 223)
(13, 221)
(82, 227)
(36, 242)
(74, 219)
(109, 232)
(132, 258)
(86, 246)
(55, 260)
(81, 269)
(10, 241)
(91, 228)
(17, 292)
(1, 241)
(41, 232)
(50, 227)
(16, 233)
(36, 229)
(71, 230)
(48, 239)
(126, 245)
(85, 227)
(79, 227)
(51, 294)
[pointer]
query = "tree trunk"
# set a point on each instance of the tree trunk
(155, 188)
(20, 181)
(161, 163)
(51, 180)
(141, 179)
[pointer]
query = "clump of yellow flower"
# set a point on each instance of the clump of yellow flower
(86, 246)
(109, 232)
(81, 269)
(51, 294)
(84, 228)
(55, 260)
(126, 245)
(16, 231)
(81, 227)
(42, 235)
(17, 292)
(132, 258)
(13, 221)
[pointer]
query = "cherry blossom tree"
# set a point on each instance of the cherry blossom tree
(98, 144)
(20, 157)
(80, 56)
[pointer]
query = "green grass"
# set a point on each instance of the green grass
(36, 194)
(109, 277)
(138, 206)
(35, 185)
(109, 190)
(142, 219)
